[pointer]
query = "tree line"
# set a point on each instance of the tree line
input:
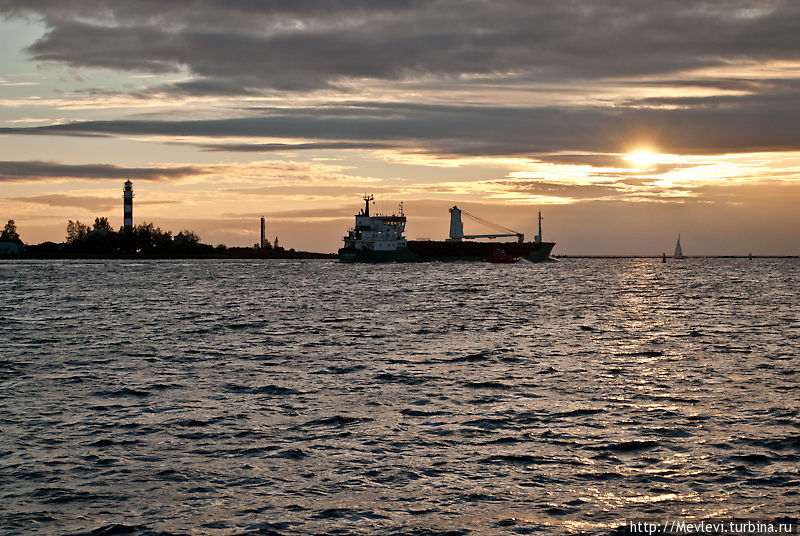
(101, 239)
(143, 238)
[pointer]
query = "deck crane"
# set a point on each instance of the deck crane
(457, 228)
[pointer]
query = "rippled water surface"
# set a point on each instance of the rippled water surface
(311, 397)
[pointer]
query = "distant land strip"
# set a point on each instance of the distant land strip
(672, 259)
(230, 253)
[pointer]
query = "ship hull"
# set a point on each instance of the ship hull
(356, 255)
(430, 251)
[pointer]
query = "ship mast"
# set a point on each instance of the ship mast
(539, 238)
(367, 198)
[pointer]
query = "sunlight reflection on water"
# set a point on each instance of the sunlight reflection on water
(226, 397)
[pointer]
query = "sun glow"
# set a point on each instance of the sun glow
(643, 158)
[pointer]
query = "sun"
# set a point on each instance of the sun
(643, 158)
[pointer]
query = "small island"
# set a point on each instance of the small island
(100, 241)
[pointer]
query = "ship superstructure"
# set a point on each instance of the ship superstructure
(376, 233)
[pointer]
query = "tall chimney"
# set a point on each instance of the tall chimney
(263, 233)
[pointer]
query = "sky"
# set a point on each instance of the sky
(626, 123)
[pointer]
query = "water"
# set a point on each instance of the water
(311, 397)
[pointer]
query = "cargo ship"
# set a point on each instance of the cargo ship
(379, 238)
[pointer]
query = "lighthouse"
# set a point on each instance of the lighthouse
(127, 213)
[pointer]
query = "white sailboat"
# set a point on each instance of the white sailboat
(678, 251)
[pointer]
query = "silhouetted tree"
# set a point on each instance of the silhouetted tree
(147, 237)
(276, 243)
(10, 233)
(76, 231)
(101, 224)
(190, 238)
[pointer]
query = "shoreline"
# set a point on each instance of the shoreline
(308, 255)
(235, 255)
(672, 259)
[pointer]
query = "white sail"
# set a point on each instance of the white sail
(678, 251)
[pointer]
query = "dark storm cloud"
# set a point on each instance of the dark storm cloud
(616, 189)
(341, 191)
(71, 201)
(203, 13)
(593, 160)
(82, 201)
(326, 213)
(728, 83)
(246, 46)
(35, 170)
(541, 187)
(272, 147)
(756, 94)
(482, 130)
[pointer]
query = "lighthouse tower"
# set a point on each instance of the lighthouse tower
(127, 213)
